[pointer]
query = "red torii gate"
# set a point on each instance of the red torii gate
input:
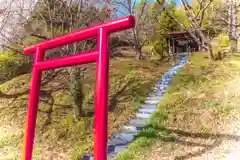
(100, 56)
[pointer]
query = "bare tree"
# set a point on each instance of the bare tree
(227, 16)
(63, 17)
(142, 28)
(51, 18)
(14, 15)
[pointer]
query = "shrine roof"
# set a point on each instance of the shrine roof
(180, 33)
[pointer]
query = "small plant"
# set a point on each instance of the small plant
(158, 119)
(212, 104)
(132, 74)
(136, 105)
(225, 110)
(221, 108)
(149, 132)
(134, 149)
(224, 40)
(164, 134)
(205, 129)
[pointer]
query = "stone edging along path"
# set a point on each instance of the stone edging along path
(120, 141)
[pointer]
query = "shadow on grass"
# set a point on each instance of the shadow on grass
(176, 136)
(218, 138)
(114, 100)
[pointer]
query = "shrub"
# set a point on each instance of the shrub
(224, 40)
(159, 47)
(220, 45)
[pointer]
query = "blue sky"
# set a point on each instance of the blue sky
(177, 3)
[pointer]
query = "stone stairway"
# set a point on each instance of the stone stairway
(118, 142)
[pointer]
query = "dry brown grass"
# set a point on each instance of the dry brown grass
(64, 138)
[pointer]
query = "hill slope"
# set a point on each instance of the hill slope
(65, 138)
(199, 116)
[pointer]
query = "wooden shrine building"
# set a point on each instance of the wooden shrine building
(179, 42)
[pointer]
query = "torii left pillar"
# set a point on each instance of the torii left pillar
(100, 56)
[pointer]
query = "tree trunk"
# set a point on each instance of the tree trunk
(138, 48)
(233, 45)
(205, 44)
(76, 89)
(139, 55)
(232, 14)
(210, 52)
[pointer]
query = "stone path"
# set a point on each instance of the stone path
(120, 141)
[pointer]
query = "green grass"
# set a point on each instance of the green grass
(143, 140)
(134, 149)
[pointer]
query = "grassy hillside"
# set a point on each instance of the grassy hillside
(130, 82)
(195, 113)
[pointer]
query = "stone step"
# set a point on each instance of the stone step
(124, 136)
(133, 133)
(150, 106)
(154, 98)
(143, 115)
(149, 111)
(117, 142)
(111, 148)
(152, 101)
(181, 65)
(112, 155)
(137, 122)
(163, 83)
(131, 129)
(166, 80)
(167, 75)
(172, 73)
(162, 91)
(157, 94)
(175, 67)
(119, 149)
(160, 94)
(87, 157)
(163, 87)
(153, 94)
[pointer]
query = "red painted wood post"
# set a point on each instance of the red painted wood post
(33, 105)
(100, 56)
(101, 102)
